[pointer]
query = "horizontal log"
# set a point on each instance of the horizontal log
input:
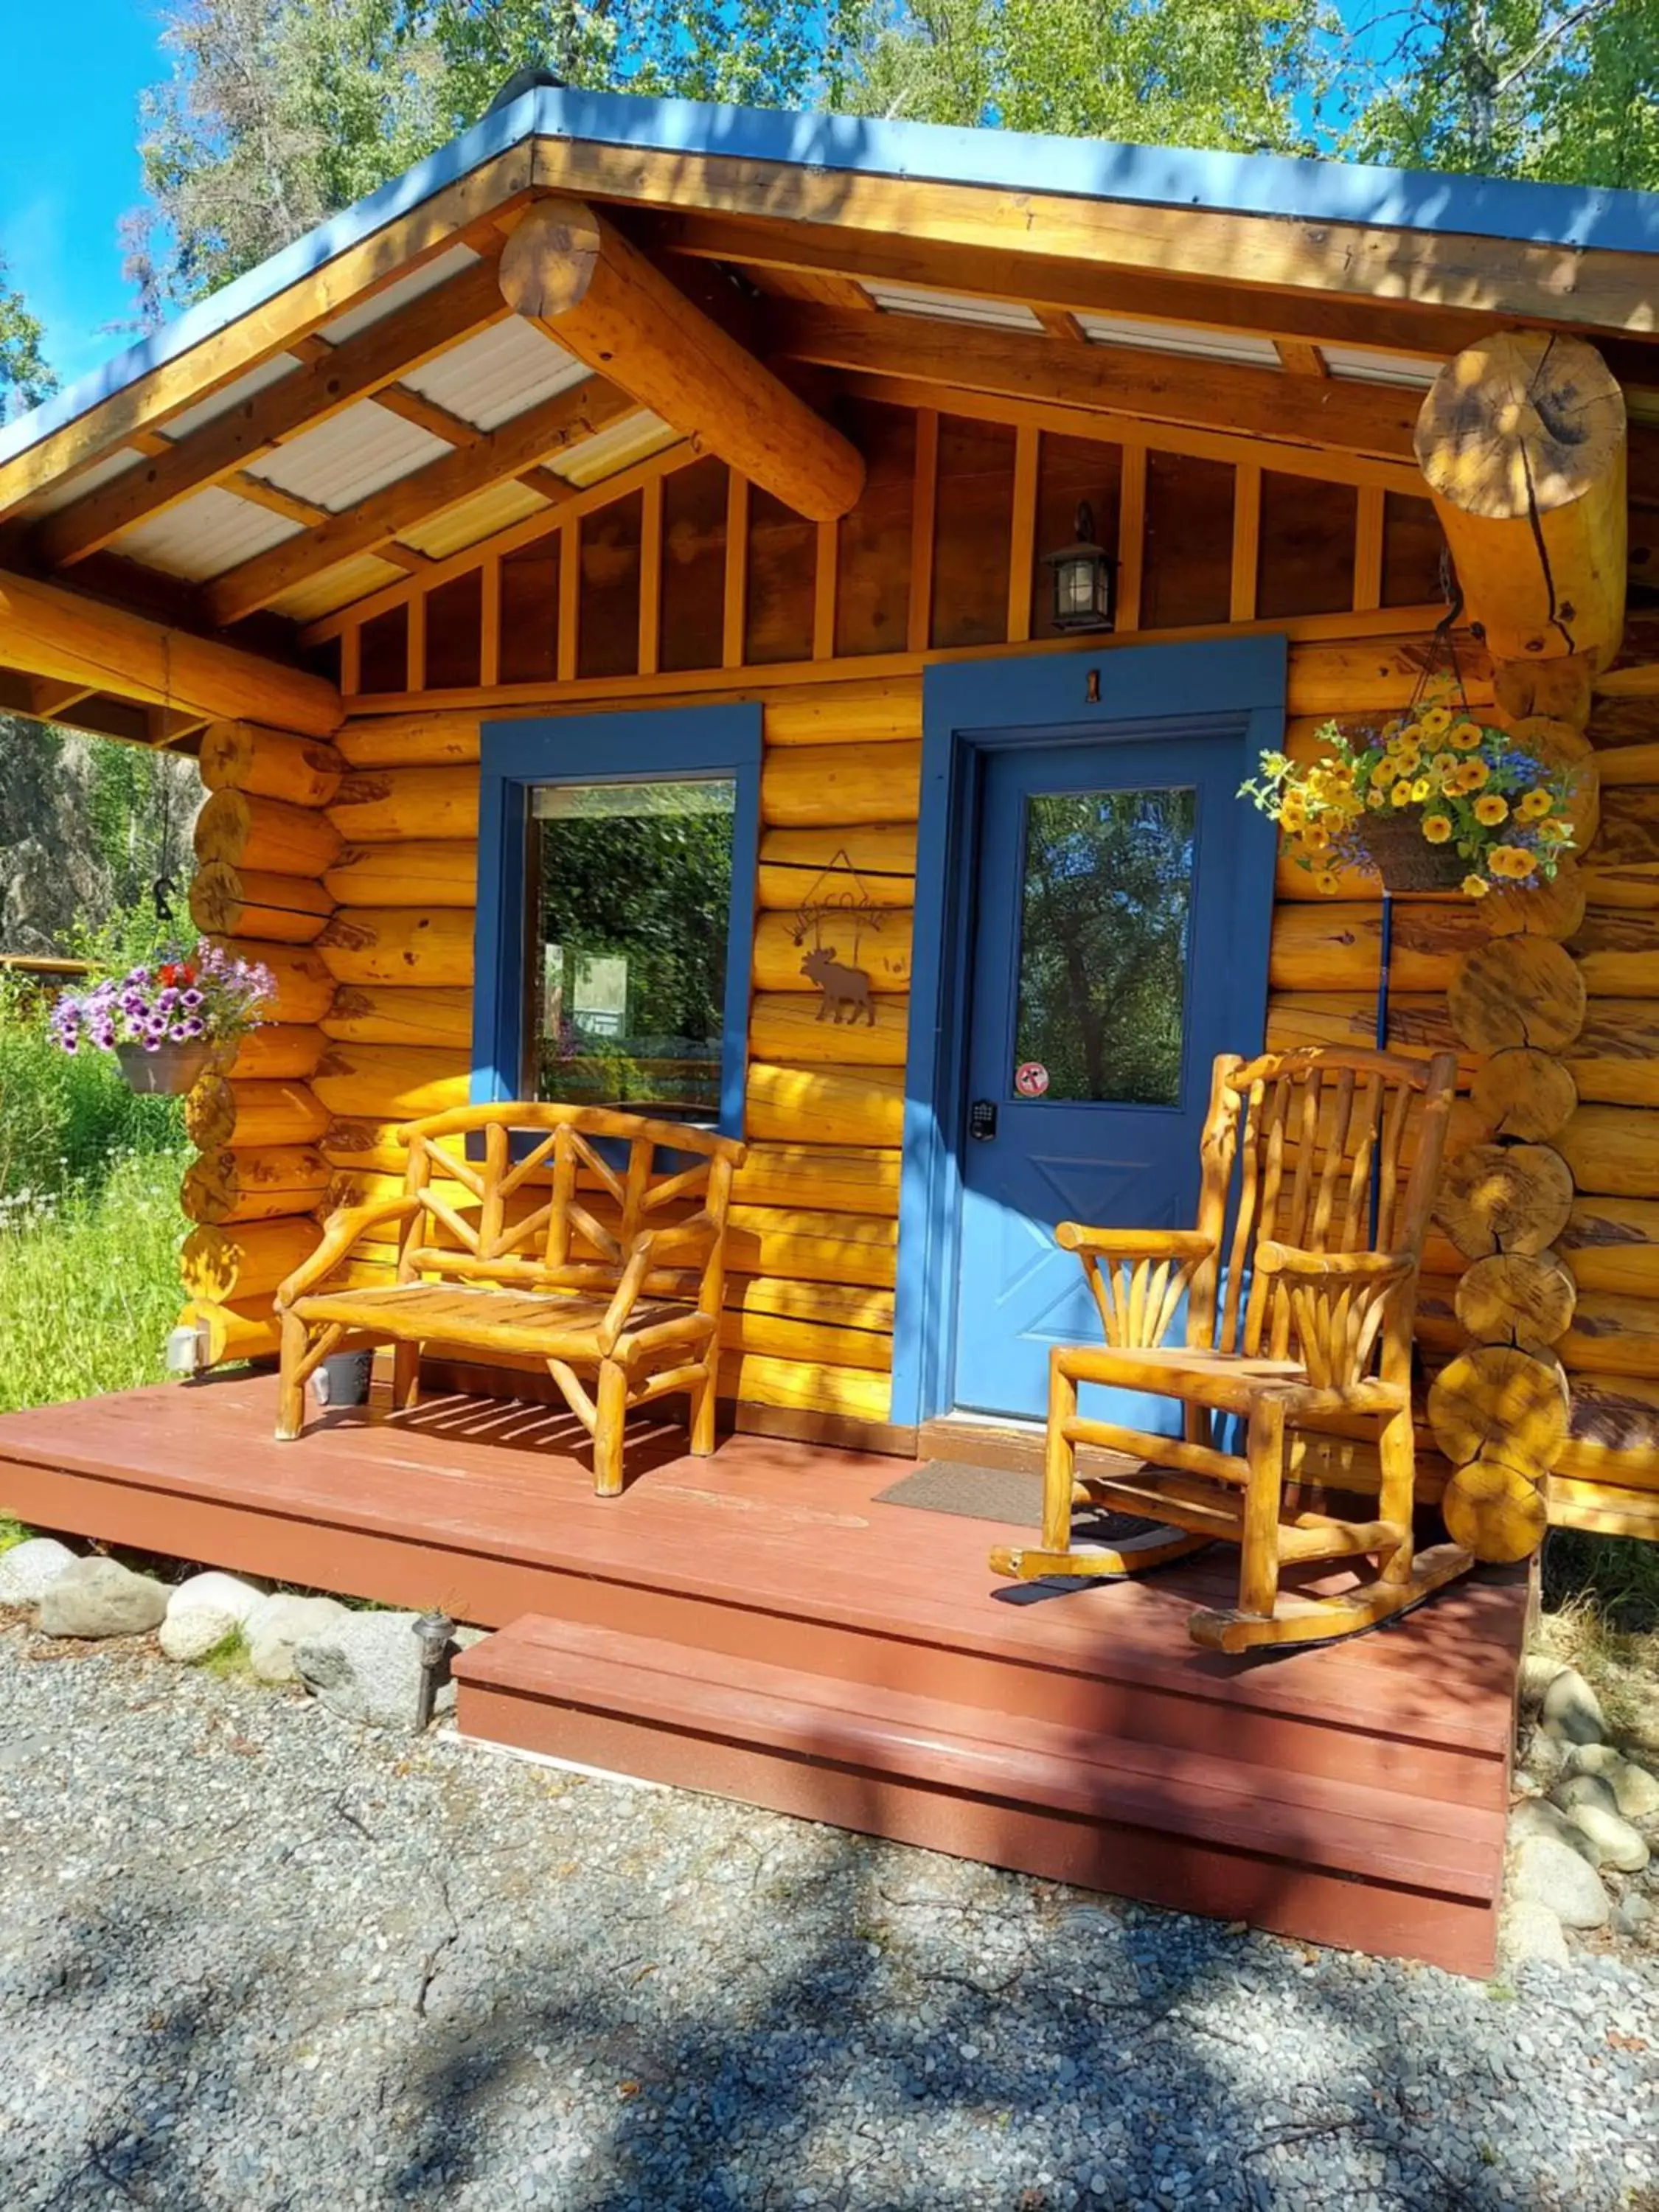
(1420, 1024)
(1617, 955)
(397, 1013)
(1504, 1402)
(226, 900)
(839, 1305)
(812, 786)
(241, 1186)
(1613, 1244)
(1338, 946)
(1613, 1335)
(1612, 1151)
(884, 712)
(805, 867)
(1602, 1508)
(1373, 676)
(388, 1082)
(789, 1030)
(252, 1116)
(853, 1392)
(428, 740)
(1627, 764)
(1554, 908)
(796, 1245)
(1525, 1095)
(368, 1144)
(1613, 1432)
(250, 832)
(1514, 991)
(271, 764)
(1435, 1323)
(1503, 1198)
(1615, 1061)
(1560, 688)
(400, 945)
(1523, 1299)
(424, 871)
(379, 806)
(302, 988)
(780, 1336)
(878, 949)
(232, 1332)
(819, 1178)
(224, 1264)
(278, 1051)
(1621, 869)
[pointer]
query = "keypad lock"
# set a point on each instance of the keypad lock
(982, 1120)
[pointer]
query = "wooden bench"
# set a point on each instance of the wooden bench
(506, 1255)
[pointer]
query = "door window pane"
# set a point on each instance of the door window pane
(628, 927)
(1106, 906)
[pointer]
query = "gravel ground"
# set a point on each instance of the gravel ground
(251, 1957)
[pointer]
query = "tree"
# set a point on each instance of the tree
(25, 378)
(1566, 91)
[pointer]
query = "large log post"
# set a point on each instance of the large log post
(1522, 439)
(569, 270)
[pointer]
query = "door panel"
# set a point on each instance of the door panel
(1109, 877)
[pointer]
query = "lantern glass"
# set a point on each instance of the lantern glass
(1083, 573)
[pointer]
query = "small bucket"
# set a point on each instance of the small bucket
(342, 1379)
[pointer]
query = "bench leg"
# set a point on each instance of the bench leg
(612, 1411)
(702, 1398)
(291, 1390)
(405, 1377)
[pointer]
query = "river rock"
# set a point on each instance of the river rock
(98, 1596)
(367, 1667)
(1552, 1874)
(279, 1623)
(1636, 1792)
(1584, 1789)
(202, 1612)
(1538, 1671)
(1615, 1842)
(1571, 1709)
(1633, 1913)
(1531, 1931)
(28, 1570)
(1538, 1817)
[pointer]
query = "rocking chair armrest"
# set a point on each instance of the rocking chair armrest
(340, 1232)
(1134, 1243)
(1336, 1268)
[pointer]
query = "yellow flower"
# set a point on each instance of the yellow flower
(1412, 734)
(1466, 736)
(1382, 771)
(1378, 800)
(1420, 788)
(1401, 795)
(1435, 722)
(1444, 765)
(1475, 886)
(1521, 862)
(1557, 831)
(1534, 806)
(1316, 838)
(1437, 829)
(1327, 880)
(1472, 775)
(1491, 810)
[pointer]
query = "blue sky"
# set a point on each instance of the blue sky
(69, 103)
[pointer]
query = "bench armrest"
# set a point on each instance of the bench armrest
(691, 1241)
(340, 1232)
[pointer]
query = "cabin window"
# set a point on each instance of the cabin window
(630, 912)
(617, 856)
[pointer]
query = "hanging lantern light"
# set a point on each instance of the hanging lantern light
(1085, 578)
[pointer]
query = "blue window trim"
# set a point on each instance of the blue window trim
(1227, 686)
(712, 741)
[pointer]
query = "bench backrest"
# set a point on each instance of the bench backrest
(532, 1219)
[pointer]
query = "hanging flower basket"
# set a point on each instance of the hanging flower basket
(1396, 849)
(169, 1069)
(168, 1022)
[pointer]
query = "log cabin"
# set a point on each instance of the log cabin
(621, 581)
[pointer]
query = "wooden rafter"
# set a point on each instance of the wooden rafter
(569, 270)
(1373, 420)
(359, 369)
(549, 428)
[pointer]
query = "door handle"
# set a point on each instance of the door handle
(982, 1120)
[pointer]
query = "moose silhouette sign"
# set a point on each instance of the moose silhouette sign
(838, 903)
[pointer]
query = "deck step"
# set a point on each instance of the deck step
(844, 1751)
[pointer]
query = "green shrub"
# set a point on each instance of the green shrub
(66, 1121)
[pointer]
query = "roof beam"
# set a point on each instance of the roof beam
(569, 270)
(49, 631)
(243, 434)
(1125, 381)
(560, 422)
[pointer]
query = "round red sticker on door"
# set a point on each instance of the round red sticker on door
(1030, 1078)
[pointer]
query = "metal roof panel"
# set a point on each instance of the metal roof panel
(950, 307)
(378, 305)
(1180, 337)
(634, 438)
(337, 588)
(498, 508)
(205, 535)
(231, 395)
(496, 374)
(358, 450)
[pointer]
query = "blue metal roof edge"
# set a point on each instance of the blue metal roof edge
(1586, 218)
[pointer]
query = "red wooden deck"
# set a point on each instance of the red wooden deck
(757, 1624)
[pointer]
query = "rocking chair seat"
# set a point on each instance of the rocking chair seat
(1224, 1381)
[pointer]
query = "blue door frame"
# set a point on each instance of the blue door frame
(1232, 686)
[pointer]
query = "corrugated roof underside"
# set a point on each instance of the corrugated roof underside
(1181, 338)
(337, 588)
(491, 377)
(431, 273)
(205, 535)
(239, 388)
(67, 489)
(636, 438)
(498, 508)
(950, 306)
(354, 454)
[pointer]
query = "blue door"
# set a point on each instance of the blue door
(1123, 892)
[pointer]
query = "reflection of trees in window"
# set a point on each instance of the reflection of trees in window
(633, 904)
(1107, 902)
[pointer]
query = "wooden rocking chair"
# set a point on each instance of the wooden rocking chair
(1305, 1336)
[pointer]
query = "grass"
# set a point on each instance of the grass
(12, 1532)
(1601, 1614)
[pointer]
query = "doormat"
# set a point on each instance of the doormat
(993, 1493)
